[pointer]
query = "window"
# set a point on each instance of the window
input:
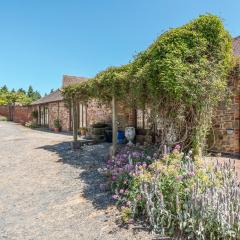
(82, 115)
(142, 119)
(43, 110)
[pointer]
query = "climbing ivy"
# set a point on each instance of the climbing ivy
(180, 77)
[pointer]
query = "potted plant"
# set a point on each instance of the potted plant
(83, 131)
(57, 125)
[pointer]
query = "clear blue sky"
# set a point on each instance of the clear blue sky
(43, 39)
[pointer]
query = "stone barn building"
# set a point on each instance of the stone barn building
(52, 107)
(225, 134)
(226, 137)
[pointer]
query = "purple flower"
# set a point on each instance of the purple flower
(136, 154)
(144, 165)
(191, 174)
(115, 197)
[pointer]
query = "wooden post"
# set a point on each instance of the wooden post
(74, 120)
(114, 126)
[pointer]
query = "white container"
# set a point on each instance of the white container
(130, 134)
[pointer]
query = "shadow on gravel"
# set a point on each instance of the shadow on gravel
(47, 130)
(89, 158)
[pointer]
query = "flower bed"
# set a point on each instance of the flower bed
(175, 195)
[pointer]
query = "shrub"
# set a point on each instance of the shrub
(57, 123)
(31, 124)
(2, 118)
(179, 197)
(34, 114)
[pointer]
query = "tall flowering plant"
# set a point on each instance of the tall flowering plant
(177, 196)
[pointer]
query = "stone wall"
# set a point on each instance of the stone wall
(227, 117)
(18, 114)
(97, 112)
(4, 111)
(59, 110)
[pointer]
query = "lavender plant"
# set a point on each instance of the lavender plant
(177, 196)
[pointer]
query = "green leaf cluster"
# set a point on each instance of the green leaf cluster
(20, 96)
(183, 74)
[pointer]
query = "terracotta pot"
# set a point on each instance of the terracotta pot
(56, 129)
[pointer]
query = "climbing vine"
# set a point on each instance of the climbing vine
(181, 77)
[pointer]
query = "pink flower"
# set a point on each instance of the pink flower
(121, 191)
(128, 203)
(130, 221)
(139, 197)
(114, 178)
(179, 178)
(126, 191)
(177, 147)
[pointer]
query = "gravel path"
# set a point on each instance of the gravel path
(49, 192)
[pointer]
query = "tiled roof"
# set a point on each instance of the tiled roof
(52, 97)
(68, 80)
(236, 46)
(56, 95)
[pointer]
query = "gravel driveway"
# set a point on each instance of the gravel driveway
(48, 191)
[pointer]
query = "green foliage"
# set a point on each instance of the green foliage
(35, 114)
(178, 197)
(31, 124)
(20, 96)
(182, 75)
(57, 123)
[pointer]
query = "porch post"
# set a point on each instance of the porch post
(74, 120)
(114, 126)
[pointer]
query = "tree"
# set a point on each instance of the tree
(30, 92)
(4, 89)
(21, 90)
(36, 96)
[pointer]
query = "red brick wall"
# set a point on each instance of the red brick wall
(227, 116)
(4, 111)
(97, 112)
(59, 110)
(20, 114)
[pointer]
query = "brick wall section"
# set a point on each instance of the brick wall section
(97, 112)
(59, 110)
(4, 111)
(20, 114)
(52, 114)
(228, 116)
(64, 116)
